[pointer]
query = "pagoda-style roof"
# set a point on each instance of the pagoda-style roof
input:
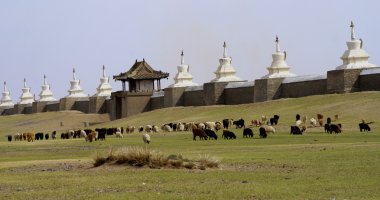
(141, 70)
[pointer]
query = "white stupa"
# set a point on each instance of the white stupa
(104, 88)
(355, 57)
(6, 101)
(26, 97)
(278, 68)
(183, 78)
(75, 89)
(46, 94)
(225, 71)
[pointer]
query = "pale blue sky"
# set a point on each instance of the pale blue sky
(51, 37)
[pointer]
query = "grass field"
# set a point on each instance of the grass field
(311, 166)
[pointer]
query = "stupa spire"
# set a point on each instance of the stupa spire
(352, 31)
(74, 76)
(24, 82)
(277, 44)
(224, 50)
(104, 71)
(182, 58)
(5, 86)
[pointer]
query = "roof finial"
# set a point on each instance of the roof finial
(5, 86)
(182, 58)
(225, 50)
(352, 31)
(74, 77)
(277, 44)
(104, 71)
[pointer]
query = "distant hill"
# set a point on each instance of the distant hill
(351, 108)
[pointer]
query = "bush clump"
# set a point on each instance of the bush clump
(139, 157)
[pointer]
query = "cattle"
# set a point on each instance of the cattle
(364, 126)
(336, 128)
(30, 137)
(18, 137)
(200, 133)
(227, 123)
(256, 123)
(262, 132)
(247, 132)
(327, 128)
(228, 135)
(54, 135)
(239, 123)
(268, 129)
(295, 130)
(9, 138)
(328, 121)
(320, 119)
(46, 136)
(92, 136)
(39, 136)
(146, 138)
(274, 120)
(211, 134)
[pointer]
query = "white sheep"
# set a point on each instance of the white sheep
(118, 134)
(313, 122)
(146, 138)
(155, 129)
(148, 128)
(269, 129)
(83, 134)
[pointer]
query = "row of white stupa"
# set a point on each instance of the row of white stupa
(46, 95)
(353, 58)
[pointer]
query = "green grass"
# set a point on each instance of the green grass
(311, 166)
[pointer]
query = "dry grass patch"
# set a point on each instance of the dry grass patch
(140, 157)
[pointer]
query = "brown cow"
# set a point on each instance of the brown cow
(200, 133)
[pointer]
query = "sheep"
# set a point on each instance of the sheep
(166, 128)
(83, 134)
(54, 135)
(155, 129)
(295, 130)
(180, 127)
(46, 136)
(274, 120)
(9, 138)
(313, 122)
(148, 128)
(228, 135)
(263, 119)
(146, 138)
(247, 132)
(211, 134)
(201, 126)
(30, 137)
(218, 126)
(269, 129)
(227, 123)
(210, 125)
(336, 128)
(141, 129)
(132, 129)
(119, 135)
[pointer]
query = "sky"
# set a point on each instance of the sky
(52, 37)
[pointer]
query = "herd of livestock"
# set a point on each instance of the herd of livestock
(204, 131)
